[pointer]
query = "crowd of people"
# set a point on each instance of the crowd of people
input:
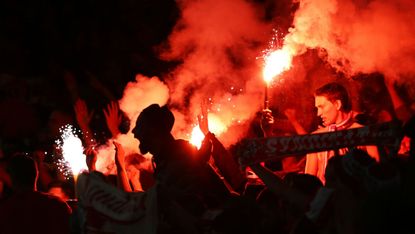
(362, 189)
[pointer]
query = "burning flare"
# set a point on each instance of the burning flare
(72, 150)
(276, 62)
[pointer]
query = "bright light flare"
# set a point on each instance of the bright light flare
(72, 150)
(276, 62)
(216, 126)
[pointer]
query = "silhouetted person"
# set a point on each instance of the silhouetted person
(185, 186)
(27, 210)
(179, 167)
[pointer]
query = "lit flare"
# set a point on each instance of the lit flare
(276, 62)
(72, 150)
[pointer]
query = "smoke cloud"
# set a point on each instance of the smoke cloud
(217, 43)
(358, 36)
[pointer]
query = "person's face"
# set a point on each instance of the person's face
(147, 139)
(328, 111)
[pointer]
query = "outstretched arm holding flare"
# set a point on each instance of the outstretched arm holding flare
(267, 121)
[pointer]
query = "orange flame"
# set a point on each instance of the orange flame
(276, 62)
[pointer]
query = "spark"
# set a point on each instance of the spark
(276, 59)
(275, 63)
(73, 161)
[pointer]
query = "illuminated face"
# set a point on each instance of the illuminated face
(328, 111)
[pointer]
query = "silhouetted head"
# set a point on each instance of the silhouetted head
(152, 126)
(23, 172)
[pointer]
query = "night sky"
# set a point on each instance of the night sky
(93, 47)
(112, 40)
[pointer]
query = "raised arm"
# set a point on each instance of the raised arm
(134, 176)
(206, 148)
(83, 118)
(91, 158)
(276, 186)
(113, 118)
(401, 110)
(203, 119)
(122, 177)
(267, 121)
(291, 115)
(223, 160)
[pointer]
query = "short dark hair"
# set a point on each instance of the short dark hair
(22, 170)
(334, 91)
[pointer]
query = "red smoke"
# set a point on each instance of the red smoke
(359, 36)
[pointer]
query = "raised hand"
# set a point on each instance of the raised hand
(203, 119)
(83, 116)
(267, 120)
(91, 158)
(113, 118)
(291, 115)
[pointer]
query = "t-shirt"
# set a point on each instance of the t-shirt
(316, 162)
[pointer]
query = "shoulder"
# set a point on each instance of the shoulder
(355, 125)
(53, 202)
(184, 146)
(320, 130)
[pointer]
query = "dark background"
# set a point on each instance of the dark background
(54, 51)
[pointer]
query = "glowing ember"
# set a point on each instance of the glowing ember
(72, 150)
(276, 62)
(216, 126)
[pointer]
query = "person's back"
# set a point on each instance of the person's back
(27, 210)
(34, 212)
